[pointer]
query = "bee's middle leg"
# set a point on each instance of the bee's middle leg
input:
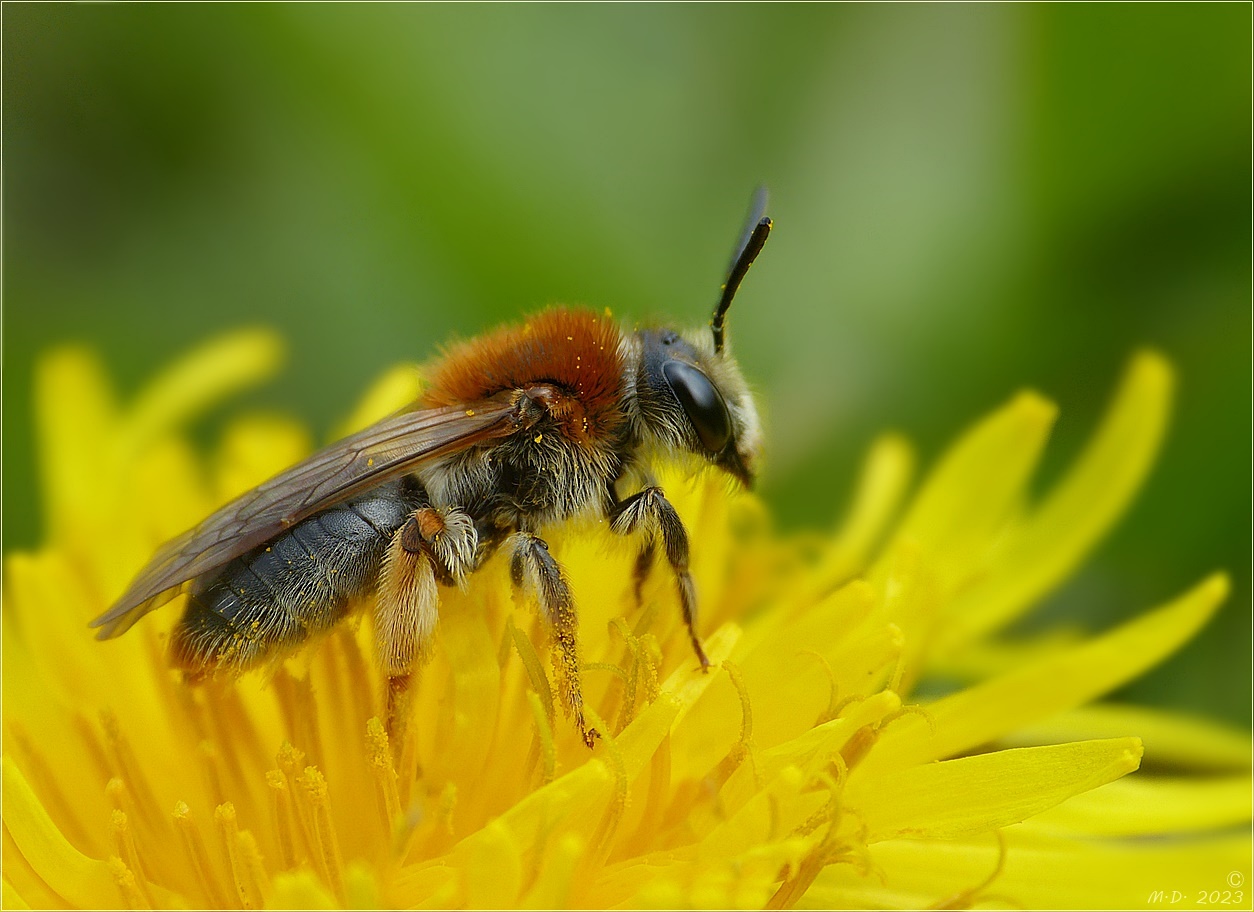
(433, 545)
(538, 575)
(652, 515)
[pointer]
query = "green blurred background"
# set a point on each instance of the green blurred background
(968, 199)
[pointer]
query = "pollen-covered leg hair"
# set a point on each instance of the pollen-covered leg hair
(433, 545)
(538, 576)
(405, 614)
(448, 535)
(650, 514)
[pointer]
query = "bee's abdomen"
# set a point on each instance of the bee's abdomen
(275, 597)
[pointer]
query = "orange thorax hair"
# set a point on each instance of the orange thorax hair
(574, 350)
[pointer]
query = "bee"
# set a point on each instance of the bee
(516, 432)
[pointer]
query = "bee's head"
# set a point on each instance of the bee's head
(694, 399)
(689, 389)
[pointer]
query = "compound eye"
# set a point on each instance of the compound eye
(702, 403)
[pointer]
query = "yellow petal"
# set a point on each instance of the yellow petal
(210, 372)
(79, 880)
(493, 869)
(977, 794)
(395, 390)
(20, 879)
(1046, 548)
(1172, 740)
(787, 684)
(1040, 873)
(972, 493)
(9, 897)
(361, 890)
(764, 818)
(885, 475)
(989, 658)
(1151, 805)
(76, 417)
(299, 890)
(555, 880)
(810, 751)
(256, 448)
(460, 746)
(982, 713)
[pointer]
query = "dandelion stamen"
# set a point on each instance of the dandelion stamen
(197, 854)
(281, 807)
(291, 761)
(120, 798)
(795, 886)
(859, 744)
(234, 728)
(127, 767)
(448, 802)
(115, 790)
(124, 877)
(228, 830)
(124, 848)
(744, 746)
(545, 746)
(910, 709)
(211, 769)
(379, 758)
(358, 677)
(95, 747)
(652, 653)
(299, 708)
(535, 671)
(613, 669)
(600, 843)
(965, 899)
(627, 709)
(253, 872)
(326, 846)
(833, 689)
(829, 811)
(659, 789)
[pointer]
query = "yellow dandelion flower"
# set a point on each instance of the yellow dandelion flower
(799, 772)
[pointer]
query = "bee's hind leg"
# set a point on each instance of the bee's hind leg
(651, 514)
(433, 545)
(640, 571)
(535, 572)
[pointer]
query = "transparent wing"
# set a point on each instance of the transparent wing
(383, 451)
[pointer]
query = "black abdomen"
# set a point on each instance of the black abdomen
(273, 598)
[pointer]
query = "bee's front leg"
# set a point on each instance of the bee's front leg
(433, 545)
(535, 572)
(652, 515)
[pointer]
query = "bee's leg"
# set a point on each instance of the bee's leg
(405, 613)
(640, 572)
(651, 514)
(539, 576)
(432, 545)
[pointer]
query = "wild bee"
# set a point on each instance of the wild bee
(515, 433)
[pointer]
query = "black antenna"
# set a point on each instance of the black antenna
(751, 241)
